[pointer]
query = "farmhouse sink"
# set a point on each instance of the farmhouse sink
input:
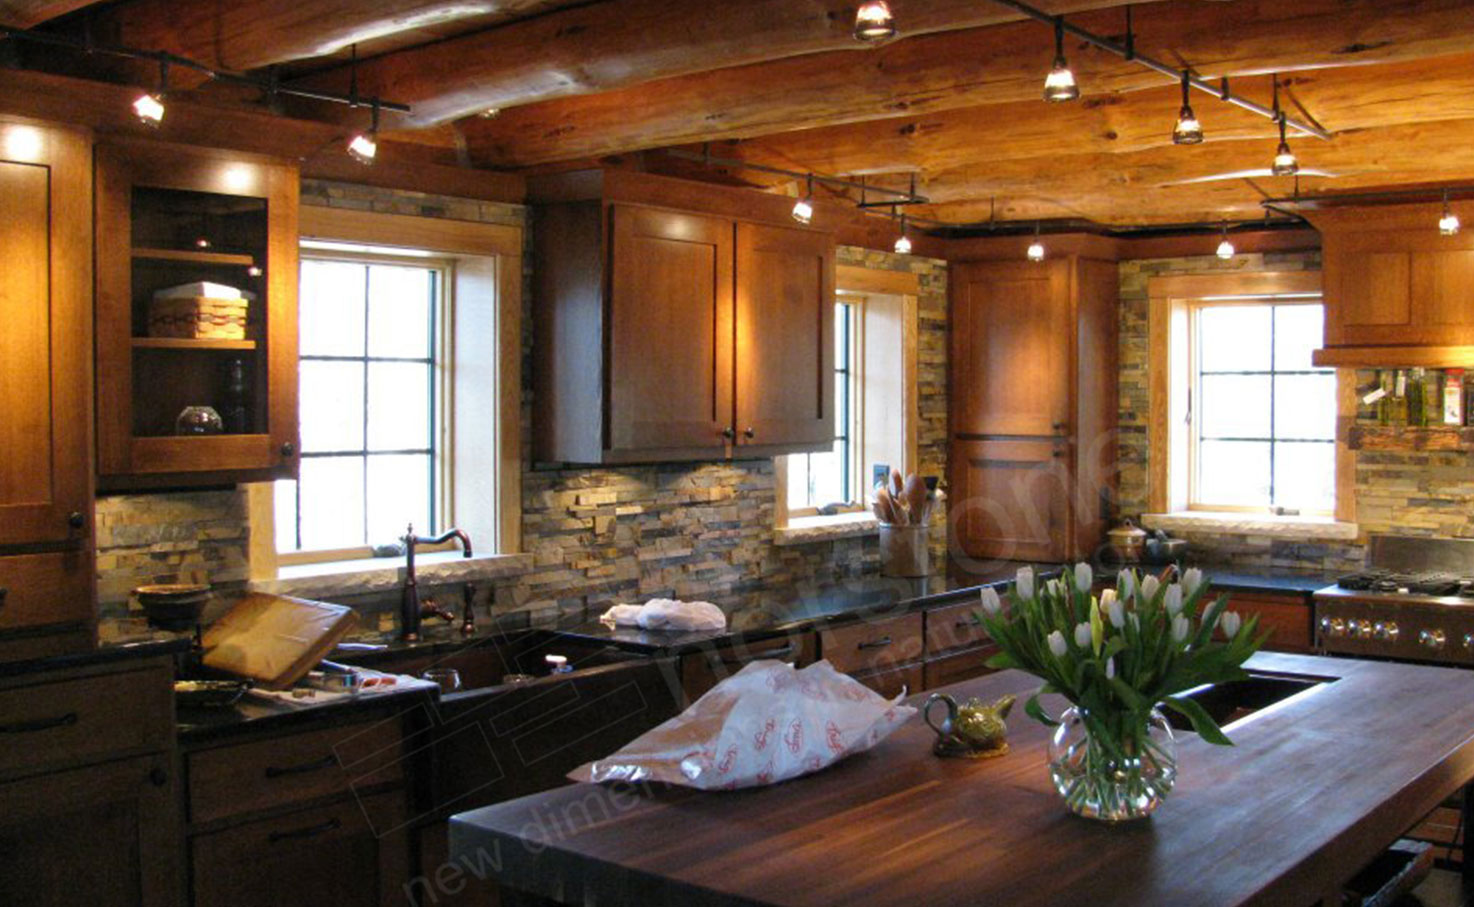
(484, 662)
(1235, 702)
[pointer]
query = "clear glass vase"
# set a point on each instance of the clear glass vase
(1113, 767)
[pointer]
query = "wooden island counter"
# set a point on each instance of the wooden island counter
(1315, 788)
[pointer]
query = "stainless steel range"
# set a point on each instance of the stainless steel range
(1415, 601)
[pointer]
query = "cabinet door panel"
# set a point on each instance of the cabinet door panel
(45, 258)
(785, 336)
(1012, 499)
(1011, 348)
(1375, 289)
(101, 836)
(670, 330)
(1444, 287)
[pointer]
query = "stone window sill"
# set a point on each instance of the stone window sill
(810, 529)
(1291, 527)
(382, 574)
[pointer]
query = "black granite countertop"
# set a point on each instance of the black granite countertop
(1238, 579)
(104, 653)
(252, 715)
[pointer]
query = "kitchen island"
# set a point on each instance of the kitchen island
(1315, 788)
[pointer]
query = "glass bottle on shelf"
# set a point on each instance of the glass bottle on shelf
(234, 411)
(1417, 410)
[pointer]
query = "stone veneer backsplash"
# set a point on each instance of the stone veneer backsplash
(595, 536)
(1407, 492)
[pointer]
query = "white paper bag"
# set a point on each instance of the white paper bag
(767, 723)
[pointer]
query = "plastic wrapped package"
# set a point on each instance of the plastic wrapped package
(767, 723)
(667, 614)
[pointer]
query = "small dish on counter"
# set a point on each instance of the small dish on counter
(209, 694)
(173, 606)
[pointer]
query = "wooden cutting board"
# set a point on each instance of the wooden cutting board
(275, 640)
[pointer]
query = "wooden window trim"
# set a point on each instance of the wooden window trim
(1170, 300)
(483, 256)
(853, 280)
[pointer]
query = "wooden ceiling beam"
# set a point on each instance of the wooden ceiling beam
(1344, 98)
(28, 13)
(241, 37)
(932, 73)
(599, 47)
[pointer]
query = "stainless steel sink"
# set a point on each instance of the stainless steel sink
(1236, 702)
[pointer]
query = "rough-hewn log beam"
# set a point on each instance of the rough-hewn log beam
(26, 13)
(245, 36)
(969, 69)
(1344, 98)
(604, 46)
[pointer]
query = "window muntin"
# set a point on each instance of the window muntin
(1263, 418)
(369, 376)
(819, 479)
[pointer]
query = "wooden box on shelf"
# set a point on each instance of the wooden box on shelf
(168, 216)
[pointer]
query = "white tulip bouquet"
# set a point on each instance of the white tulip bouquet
(1116, 658)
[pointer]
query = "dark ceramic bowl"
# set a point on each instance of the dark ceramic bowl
(173, 606)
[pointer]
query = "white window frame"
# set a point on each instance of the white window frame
(855, 416)
(479, 421)
(1170, 374)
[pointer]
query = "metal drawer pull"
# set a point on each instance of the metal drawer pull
(880, 643)
(327, 761)
(44, 724)
(785, 652)
(968, 625)
(311, 831)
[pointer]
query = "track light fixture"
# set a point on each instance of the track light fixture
(1448, 224)
(1225, 248)
(874, 22)
(1036, 248)
(903, 242)
(1285, 163)
(803, 209)
(149, 107)
(1060, 84)
(1188, 130)
(364, 147)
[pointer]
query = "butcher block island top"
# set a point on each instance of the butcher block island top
(1315, 788)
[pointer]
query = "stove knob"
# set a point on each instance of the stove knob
(1392, 631)
(1469, 640)
(1338, 627)
(1432, 639)
(1379, 630)
(1364, 629)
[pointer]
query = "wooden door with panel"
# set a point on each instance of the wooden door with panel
(45, 348)
(785, 339)
(670, 335)
(1011, 343)
(1011, 499)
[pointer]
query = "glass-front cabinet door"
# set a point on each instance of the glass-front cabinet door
(196, 316)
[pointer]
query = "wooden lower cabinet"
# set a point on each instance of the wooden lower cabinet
(703, 669)
(1287, 617)
(891, 682)
(98, 836)
(351, 852)
(956, 667)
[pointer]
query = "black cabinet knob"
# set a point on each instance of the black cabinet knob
(4, 592)
(288, 449)
(76, 520)
(729, 433)
(158, 777)
(748, 433)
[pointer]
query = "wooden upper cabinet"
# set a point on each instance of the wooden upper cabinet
(1397, 292)
(1011, 367)
(167, 216)
(785, 336)
(676, 323)
(670, 331)
(45, 372)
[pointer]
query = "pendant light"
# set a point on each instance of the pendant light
(1036, 248)
(1060, 84)
(1285, 163)
(1448, 224)
(803, 209)
(364, 147)
(149, 106)
(1188, 130)
(1225, 248)
(903, 242)
(874, 22)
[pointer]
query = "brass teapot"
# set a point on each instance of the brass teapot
(972, 730)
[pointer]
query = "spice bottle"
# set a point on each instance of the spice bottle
(1453, 397)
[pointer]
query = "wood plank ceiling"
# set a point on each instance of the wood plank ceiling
(954, 100)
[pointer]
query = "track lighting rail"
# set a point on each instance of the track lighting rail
(1128, 51)
(894, 196)
(267, 86)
